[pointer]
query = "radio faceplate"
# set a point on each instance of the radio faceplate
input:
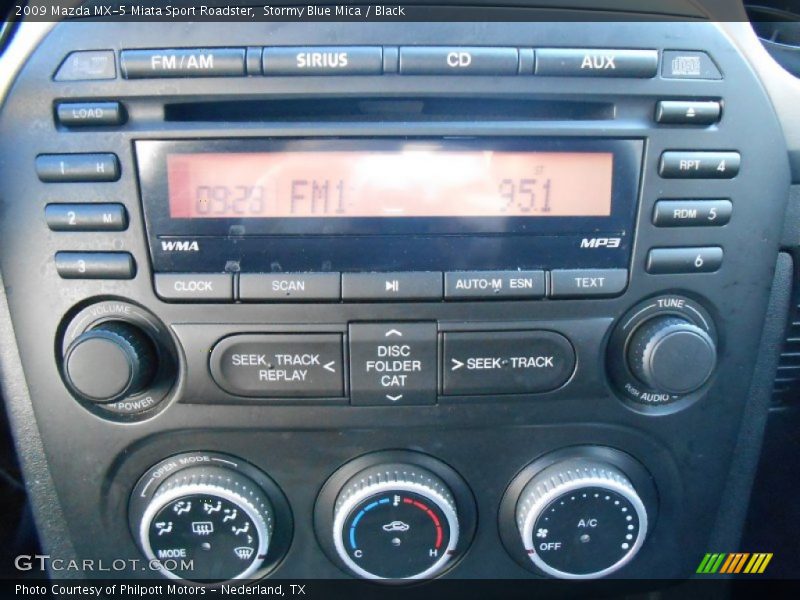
(730, 223)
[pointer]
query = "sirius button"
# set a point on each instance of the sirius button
(319, 60)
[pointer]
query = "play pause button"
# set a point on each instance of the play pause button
(392, 286)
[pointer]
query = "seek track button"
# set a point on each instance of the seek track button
(506, 362)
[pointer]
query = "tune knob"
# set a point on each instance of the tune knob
(580, 518)
(109, 362)
(207, 523)
(672, 355)
(395, 521)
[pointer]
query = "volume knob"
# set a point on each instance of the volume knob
(109, 362)
(671, 355)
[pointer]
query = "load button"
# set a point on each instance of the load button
(506, 362)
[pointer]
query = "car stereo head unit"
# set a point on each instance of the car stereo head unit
(388, 204)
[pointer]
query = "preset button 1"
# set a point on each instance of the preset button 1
(278, 365)
(393, 363)
(506, 362)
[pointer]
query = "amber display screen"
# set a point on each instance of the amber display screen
(392, 183)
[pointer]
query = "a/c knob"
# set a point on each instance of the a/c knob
(671, 355)
(110, 362)
(580, 518)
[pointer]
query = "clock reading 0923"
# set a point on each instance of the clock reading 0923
(406, 183)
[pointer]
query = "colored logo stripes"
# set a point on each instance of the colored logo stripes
(734, 562)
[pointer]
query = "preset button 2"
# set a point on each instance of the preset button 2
(392, 363)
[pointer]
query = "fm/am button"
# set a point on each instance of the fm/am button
(280, 365)
(494, 285)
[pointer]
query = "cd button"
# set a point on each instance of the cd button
(506, 362)
(289, 286)
(489, 285)
(458, 60)
(392, 286)
(699, 165)
(587, 282)
(597, 62)
(392, 363)
(692, 213)
(318, 60)
(198, 287)
(684, 260)
(273, 365)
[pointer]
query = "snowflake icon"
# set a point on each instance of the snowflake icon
(541, 533)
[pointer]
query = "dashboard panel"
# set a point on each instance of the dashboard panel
(458, 300)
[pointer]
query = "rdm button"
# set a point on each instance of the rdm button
(274, 365)
(506, 362)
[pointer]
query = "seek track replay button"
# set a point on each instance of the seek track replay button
(280, 365)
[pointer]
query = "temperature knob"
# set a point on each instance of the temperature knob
(207, 523)
(395, 521)
(580, 518)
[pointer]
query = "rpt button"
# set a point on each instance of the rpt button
(393, 363)
(280, 365)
